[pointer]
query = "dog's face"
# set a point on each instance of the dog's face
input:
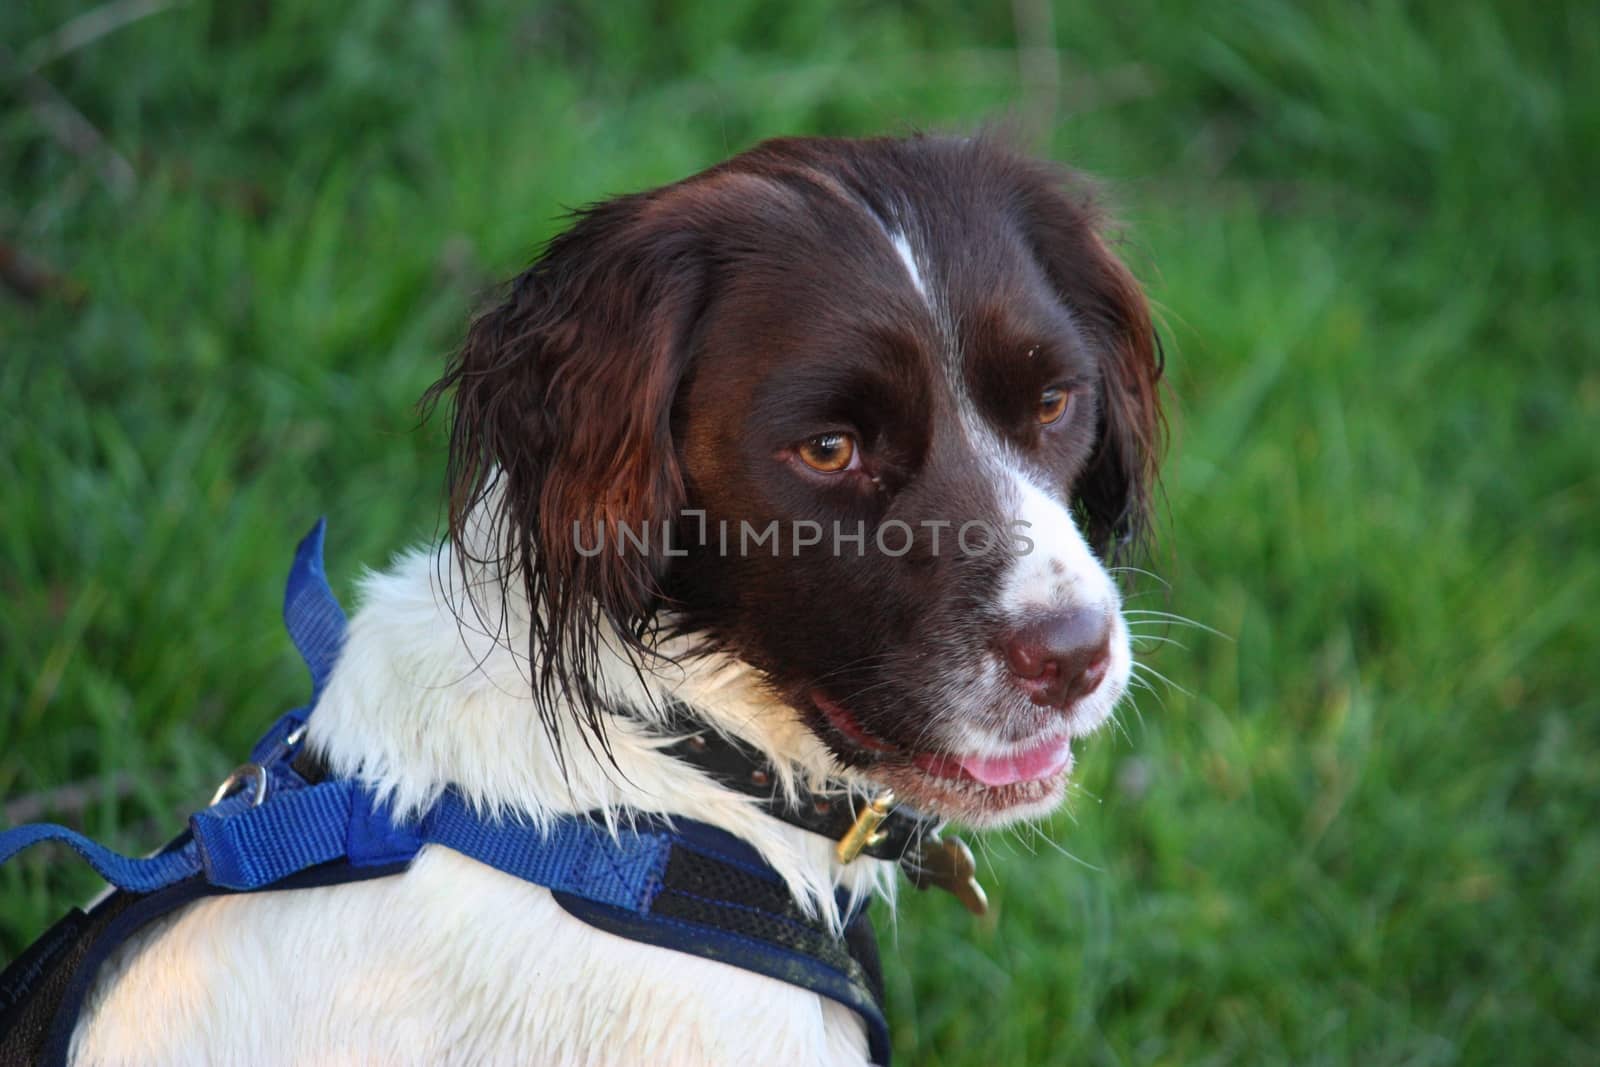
(894, 401)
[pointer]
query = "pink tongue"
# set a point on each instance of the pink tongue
(1046, 761)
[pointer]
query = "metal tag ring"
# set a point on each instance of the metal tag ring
(239, 776)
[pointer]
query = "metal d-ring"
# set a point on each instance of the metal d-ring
(236, 778)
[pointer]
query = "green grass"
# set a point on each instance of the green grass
(1364, 830)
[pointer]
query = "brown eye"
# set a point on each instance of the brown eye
(1053, 404)
(829, 453)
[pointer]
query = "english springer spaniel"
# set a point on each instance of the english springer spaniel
(823, 451)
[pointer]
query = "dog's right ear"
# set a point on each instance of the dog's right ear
(561, 434)
(1065, 226)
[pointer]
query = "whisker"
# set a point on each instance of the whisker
(1059, 847)
(1139, 570)
(1134, 635)
(1121, 727)
(1136, 682)
(1152, 672)
(1180, 620)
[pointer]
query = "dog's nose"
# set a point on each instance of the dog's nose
(1061, 657)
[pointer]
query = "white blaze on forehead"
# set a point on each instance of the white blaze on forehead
(1058, 571)
(902, 248)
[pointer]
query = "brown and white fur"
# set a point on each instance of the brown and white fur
(676, 357)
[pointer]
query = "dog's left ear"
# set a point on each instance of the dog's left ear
(1068, 234)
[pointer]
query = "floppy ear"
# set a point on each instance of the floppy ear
(1115, 489)
(562, 404)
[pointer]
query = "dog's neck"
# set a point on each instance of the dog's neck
(432, 691)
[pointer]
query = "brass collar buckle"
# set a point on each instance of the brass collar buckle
(942, 862)
(864, 832)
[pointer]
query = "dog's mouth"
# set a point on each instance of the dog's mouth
(979, 788)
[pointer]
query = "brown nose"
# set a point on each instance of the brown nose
(1060, 658)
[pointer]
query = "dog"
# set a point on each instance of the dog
(831, 445)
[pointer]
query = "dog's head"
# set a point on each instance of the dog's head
(869, 415)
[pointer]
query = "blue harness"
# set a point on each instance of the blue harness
(683, 885)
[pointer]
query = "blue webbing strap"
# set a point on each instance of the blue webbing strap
(339, 820)
(316, 625)
(574, 855)
(297, 829)
(313, 616)
(138, 875)
(254, 848)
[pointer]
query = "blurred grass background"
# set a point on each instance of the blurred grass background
(1360, 826)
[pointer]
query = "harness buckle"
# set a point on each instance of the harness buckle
(245, 772)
